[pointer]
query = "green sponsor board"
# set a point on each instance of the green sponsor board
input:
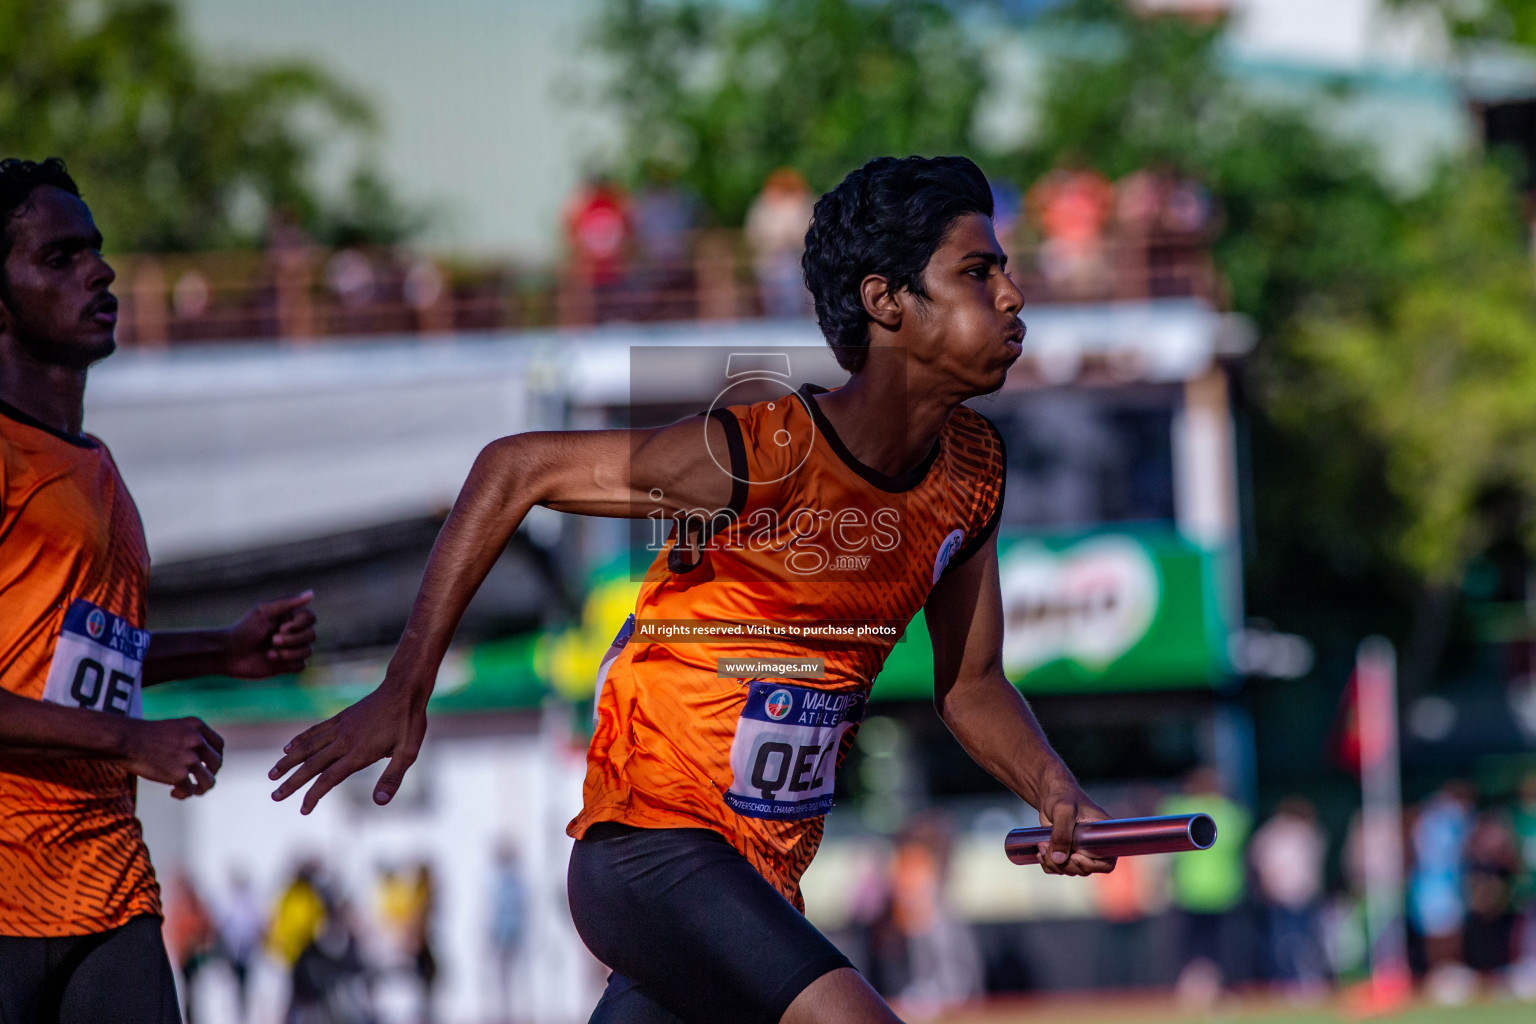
(487, 677)
(1105, 612)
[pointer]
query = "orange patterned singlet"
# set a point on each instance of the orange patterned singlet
(814, 546)
(74, 569)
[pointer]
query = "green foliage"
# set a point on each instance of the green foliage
(1398, 344)
(1305, 216)
(1442, 380)
(172, 150)
(725, 94)
(1505, 20)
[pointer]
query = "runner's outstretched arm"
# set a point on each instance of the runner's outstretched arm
(183, 753)
(990, 717)
(612, 473)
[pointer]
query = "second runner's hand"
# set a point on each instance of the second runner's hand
(386, 723)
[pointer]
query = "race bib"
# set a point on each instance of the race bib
(98, 662)
(785, 750)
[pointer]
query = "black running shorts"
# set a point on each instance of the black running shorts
(121, 976)
(692, 932)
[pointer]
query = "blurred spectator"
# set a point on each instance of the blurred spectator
(241, 925)
(1187, 209)
(775, 229)
(665, 217)
(298, 915)
(424, 892)
(944, 963)
(1072, 207)
(1345, 934)
(189, 936)
(406, 905)
(1140, 198)
(884, 953)
(1493, 862)
(1524, 820)
(288, 250)
(352, 278)
(1209, 890)
(330, 980)
(1155, 200)
(598, 229)
(1436, 885)
(1163, 220)
(1007, 208)
(1288, 855)
(1126, 899)
(509, 923)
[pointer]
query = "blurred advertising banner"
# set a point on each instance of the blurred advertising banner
(1109, 611)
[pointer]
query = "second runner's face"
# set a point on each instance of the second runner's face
(969, 330)
(57, 300)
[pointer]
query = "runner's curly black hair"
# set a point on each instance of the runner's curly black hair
(18, 180)
(886, 218)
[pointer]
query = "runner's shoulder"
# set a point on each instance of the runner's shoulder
(976, 441)
(968, 423)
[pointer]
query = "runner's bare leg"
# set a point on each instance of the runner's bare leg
(839, 997)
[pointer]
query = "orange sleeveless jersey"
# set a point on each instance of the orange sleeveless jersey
(813, 537)
(72, 854)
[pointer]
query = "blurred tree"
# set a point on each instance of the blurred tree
(172, 150)
(727, 93)
(1507, 20)
(1305, 217)
(1440, 381)
(1390, 395)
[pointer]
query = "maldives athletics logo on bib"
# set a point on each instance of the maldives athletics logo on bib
(96, 623)
(946, 552)
(778, 704)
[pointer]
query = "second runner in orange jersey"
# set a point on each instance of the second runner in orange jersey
(855, 507)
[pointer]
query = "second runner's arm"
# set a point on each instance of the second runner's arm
(990, 717)
(610, 473)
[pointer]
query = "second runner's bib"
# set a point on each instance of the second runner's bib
(785, 751)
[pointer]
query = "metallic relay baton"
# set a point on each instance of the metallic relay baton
(1120, 837)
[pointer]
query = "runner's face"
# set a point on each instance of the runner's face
(55, 300)
(969, 330)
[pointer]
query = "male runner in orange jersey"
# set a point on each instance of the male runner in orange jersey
(79, 906)
(705, 793)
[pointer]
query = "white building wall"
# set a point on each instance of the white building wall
(474, 794)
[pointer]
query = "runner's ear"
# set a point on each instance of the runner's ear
(880, 303)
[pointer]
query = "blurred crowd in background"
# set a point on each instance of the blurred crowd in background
(335, 948)
(1278, 902)
(650, 254)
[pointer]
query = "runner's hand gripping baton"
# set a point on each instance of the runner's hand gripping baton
(1120, 837)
